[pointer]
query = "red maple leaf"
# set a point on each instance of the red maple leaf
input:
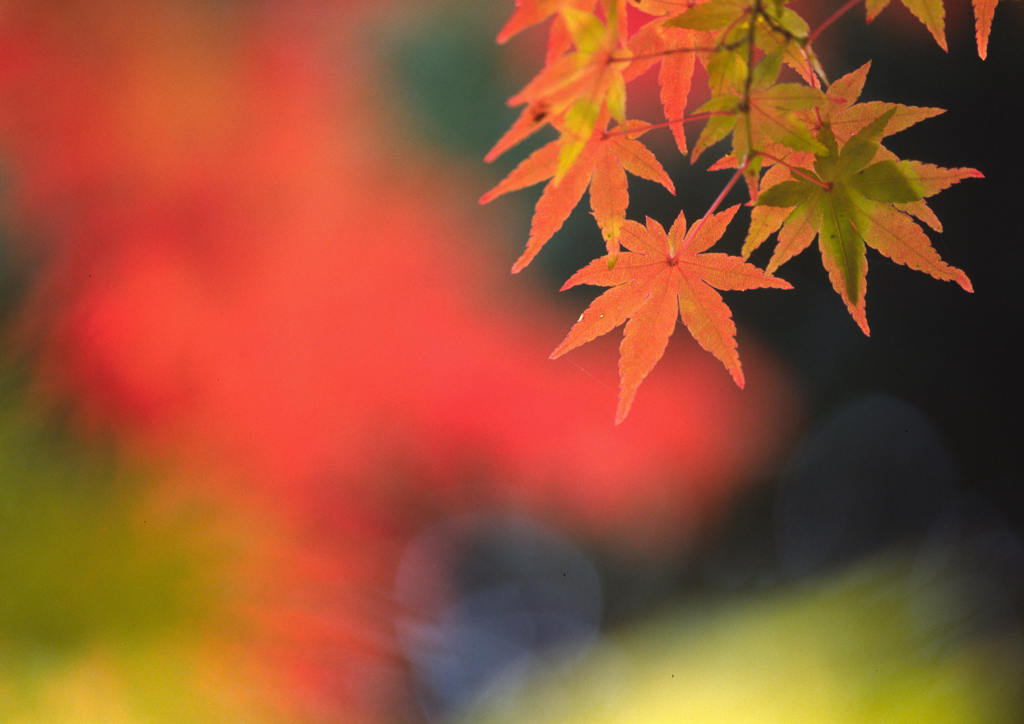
(661, 278)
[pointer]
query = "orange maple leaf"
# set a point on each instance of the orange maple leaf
(931, 13)
(847, 117)
(532, 12)
(602, 166)
(664, 276)
(983, 12)
(655, 44)
(574, 89)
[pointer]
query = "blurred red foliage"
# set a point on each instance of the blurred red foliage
(248, 271)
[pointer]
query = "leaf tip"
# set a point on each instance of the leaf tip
(622, 411)
(564, 346)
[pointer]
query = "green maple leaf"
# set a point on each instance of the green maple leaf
(849, 201)
(845, 117)
(747, 102)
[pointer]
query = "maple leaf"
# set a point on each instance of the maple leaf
(674, 50)
(849, 200)
(772, 112)
(845, 117)
(760, 114)
(662, 277)
(662, 7)
(532, 12)
(983, 12)
(713, 15)
(776, 29)
(746, 101)
(574, 90)
(932, 13)
(602, 167)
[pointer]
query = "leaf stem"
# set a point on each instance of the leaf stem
(714, 205)
(653, 126)
(846, 7)
(794, 169)
(659, 54)
(748, 84)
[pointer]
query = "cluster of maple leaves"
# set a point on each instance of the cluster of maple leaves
(810, 154)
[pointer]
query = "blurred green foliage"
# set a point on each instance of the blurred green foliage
(77, 564)
(107, 596)
(881, 643)
(444, 68)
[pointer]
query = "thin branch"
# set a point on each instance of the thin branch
(714, 205)
(794, 169)
(832, 18)
(751, 31)
(739, 19)
(659, 54)
(665, 124)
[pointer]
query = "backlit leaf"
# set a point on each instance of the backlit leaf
(600, 165)
(663, 277)
(852, 198)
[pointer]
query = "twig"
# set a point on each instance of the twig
(832, 18)
(714, 206)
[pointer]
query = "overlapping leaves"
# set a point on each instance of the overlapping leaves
(848, 200)
(601, 166)
(811, 155)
